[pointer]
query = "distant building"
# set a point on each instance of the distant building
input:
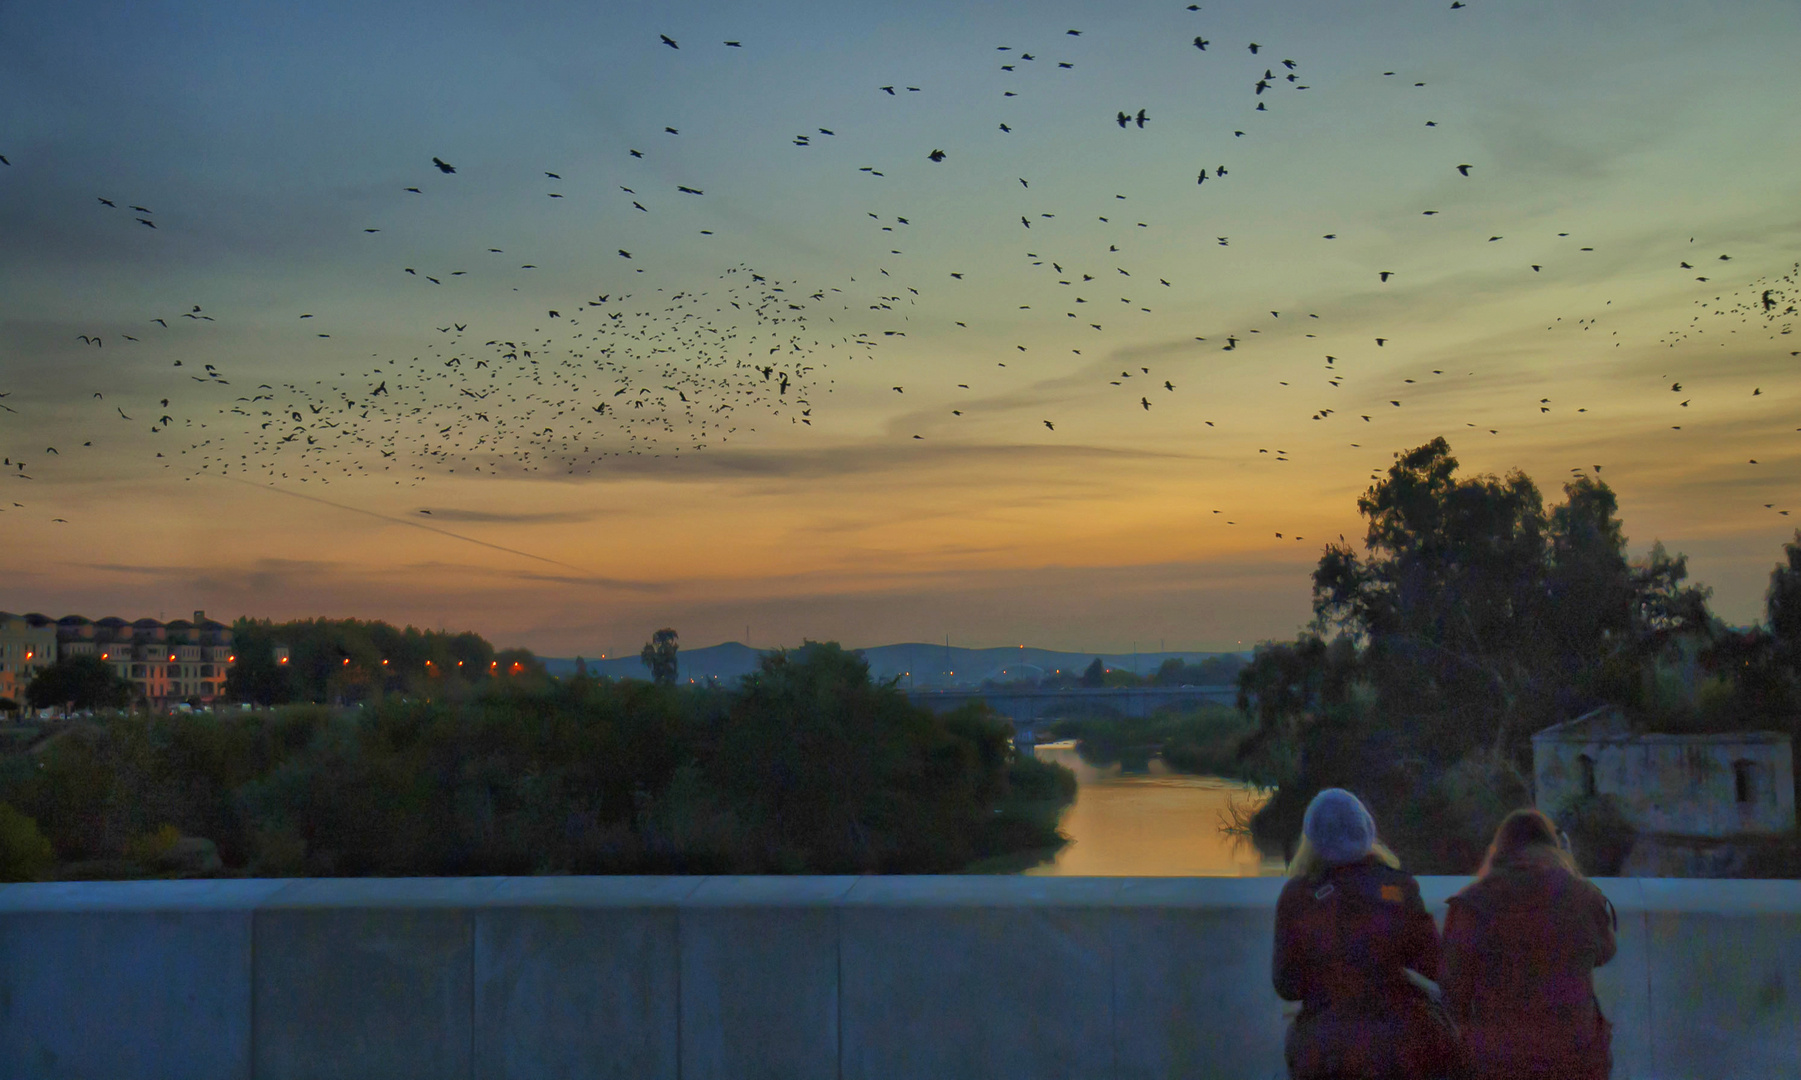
(1695, 800)
(164, 662)
(27, 643)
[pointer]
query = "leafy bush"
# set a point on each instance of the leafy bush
(812, 767)
(25, 853)
(1203, 740)
(1600, 835)
(151, 846)
(1023, 830)
(1446, 824)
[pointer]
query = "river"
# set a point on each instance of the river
(1155, 823)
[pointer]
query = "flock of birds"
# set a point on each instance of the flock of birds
(656, 371)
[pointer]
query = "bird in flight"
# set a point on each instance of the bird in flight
(1048, 424)
(936, 155)
(1465, 169)
(443, 166)
(669, 41)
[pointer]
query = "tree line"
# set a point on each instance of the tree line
(808, 766)
(349, 660)
(341, 661)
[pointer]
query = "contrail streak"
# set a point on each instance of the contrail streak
(441, 532)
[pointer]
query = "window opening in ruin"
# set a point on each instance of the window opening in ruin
(1587, 765)
(1744, 780)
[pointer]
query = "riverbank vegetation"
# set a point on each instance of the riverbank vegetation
(808, 767)
(1203, 740)
(1472, 617)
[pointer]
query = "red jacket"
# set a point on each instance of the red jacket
(1520, 950)
(1342, 938)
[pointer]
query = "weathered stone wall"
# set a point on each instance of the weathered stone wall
(802, 978)
(1674, 784)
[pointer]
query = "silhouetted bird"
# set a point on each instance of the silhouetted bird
(443, 166)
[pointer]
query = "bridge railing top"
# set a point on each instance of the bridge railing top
(1649, 895)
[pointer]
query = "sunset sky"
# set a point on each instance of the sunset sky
(640, 468)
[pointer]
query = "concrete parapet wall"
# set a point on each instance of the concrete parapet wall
(803, 978)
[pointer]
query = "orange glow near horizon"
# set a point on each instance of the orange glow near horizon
(1049, 385)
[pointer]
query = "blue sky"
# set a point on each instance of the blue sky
(1608, 142)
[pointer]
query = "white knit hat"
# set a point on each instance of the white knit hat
(1339, 827)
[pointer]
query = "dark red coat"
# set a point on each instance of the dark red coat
(1520, 950)
(1342, 938)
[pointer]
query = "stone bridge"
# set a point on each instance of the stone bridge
(1028, 708)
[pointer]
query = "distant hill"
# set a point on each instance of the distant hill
(917, 664)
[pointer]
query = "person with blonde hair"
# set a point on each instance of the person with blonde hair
(1521, 944)
(1349, 925)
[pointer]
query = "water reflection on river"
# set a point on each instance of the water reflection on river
(1154, 823)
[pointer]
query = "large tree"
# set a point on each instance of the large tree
(79, 682)
(659, 656)
(1481, 617)
(1471, 618)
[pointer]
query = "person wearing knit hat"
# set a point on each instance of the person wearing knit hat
(1339, 827)
(1350, 926)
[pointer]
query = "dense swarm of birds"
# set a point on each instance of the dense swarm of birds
(622, 372)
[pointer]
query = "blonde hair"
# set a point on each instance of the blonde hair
(1526, 834)
(1307, 863)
